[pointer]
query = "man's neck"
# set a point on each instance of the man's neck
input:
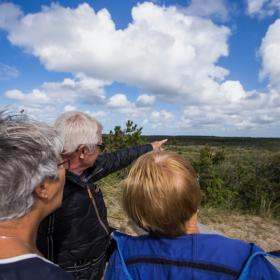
(192, 225)
(77, 170)
(76, 166)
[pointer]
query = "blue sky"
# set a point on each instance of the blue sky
(199, 67)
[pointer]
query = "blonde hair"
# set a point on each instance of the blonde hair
(161, 193)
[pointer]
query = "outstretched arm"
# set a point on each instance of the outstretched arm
(110, 162)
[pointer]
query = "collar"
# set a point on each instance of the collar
(76, 179)
(86, 177)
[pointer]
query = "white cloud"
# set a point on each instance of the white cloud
(34, 97)
(69, 90)
(121, 104)
(233, 91)
(7, 72)
(208, 8)
(145, 100)
(118, 101)
(62, 95)
(15, 94)
(253, 110)
(9, 14)
(161, 119)
(69, 108)
(100, 115)
(271, 55)
(254, 6)
(162, 50)
(263, 8)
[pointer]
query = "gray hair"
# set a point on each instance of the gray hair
(76, 128)
(29, 151)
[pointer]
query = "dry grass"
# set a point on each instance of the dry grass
(261, 230)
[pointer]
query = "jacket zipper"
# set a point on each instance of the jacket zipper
(96, 209)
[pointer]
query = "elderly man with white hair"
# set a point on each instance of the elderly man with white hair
(77, 235)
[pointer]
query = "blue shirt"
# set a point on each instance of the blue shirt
(30, 267)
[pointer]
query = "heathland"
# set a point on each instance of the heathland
(239, 178)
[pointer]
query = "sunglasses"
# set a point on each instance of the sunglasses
(101, 146)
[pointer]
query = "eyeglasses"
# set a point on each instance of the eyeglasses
(101, 146)
(65, 164)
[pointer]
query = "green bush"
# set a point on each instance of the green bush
(246, 180)
(122, 138)
(214, 192)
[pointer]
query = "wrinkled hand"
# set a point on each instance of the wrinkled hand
(157, 144)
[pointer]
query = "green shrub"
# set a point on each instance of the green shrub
(243, 179)
(121, 138)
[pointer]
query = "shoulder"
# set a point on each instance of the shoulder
(31, 267)
(259, 267)
(221, 242)
(129, 242)
(235, 254)
(227, 250)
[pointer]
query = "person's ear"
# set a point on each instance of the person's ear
(41, 191)
(82, 151)
(46, 190)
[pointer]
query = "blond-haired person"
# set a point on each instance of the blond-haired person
(162, 196)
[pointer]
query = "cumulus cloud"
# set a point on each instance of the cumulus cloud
(208, 8)
(9, 15)
(253, 110)
(63, 94)
(118, 101)
(69, 90)
(145, 100)
(99, 114)
(163, 50)
(263, 8)
(7, 72)
(270, 54)
(34, 97)
(161, 119)
(69, 108)
(233, 91)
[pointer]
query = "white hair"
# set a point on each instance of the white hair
(76, 128)
(29, 151)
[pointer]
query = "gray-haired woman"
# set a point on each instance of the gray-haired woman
(31, 187)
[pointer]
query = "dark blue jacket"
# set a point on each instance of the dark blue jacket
(193, 256)
(76, 236)
(31, 267)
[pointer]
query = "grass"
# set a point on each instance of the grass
(261, 230)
